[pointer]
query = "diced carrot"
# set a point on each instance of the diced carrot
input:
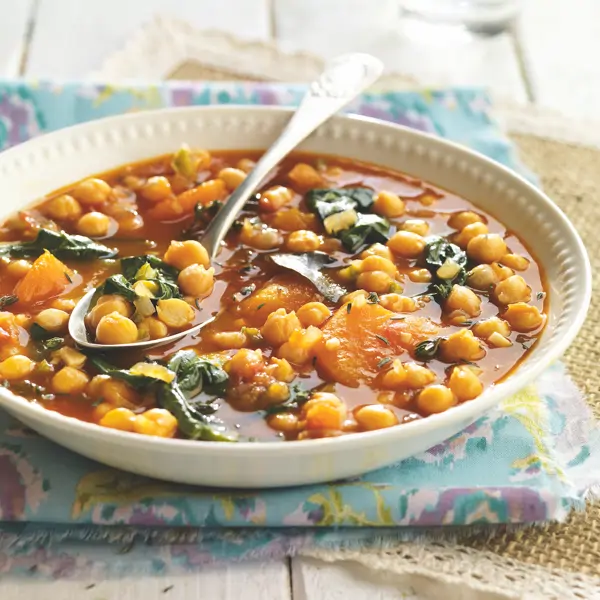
(283, 291)
(48, 277)
(183, 205)
(368, 340)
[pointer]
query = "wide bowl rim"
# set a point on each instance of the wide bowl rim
(459, 414)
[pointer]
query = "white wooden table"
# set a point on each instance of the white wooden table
(551, 59)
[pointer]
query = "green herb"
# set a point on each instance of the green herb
(397, 318)
(68, 277)
(348, 307)
(244, 292)
(383, 339)
(368, 229)
(437, 252)
(428, 349)
(298, 396)
(260, 305)
(203, 215)
(61, 244)
(196, 374)
(373, 298)
(541, 295)
(53, 343)
(197, 303)
(383, 362)
(7, 301)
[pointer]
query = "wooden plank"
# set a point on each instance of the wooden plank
(447, 56)
(561, 43)
(96, 29)
(251, 581)
(316, 580)
(13, 34)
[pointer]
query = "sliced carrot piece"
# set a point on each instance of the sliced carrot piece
(47, 277)
(205, 193)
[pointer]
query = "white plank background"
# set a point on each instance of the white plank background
(553, 61)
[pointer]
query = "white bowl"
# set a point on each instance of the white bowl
(44, 164)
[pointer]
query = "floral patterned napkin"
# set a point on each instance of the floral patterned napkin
(532, 459)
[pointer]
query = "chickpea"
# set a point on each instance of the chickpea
(523, 317)
(515, 261)
(70, 357)
(486, 248)
(246, 165)
(501, 271)
(378, 250)
(184, 254)
(417, 376)
(132, 221)
(378, 263)
(133, 182)
(151, 328)
(63, 208)
(122, 419)
(375, 281)
(305, 176)
(245, 364)
(285, 422)
(313, 313)
(280, 369)
(388, 204)
(275, 198)
(465, 299)
(156, 421)
(395, 377)
(196, 281)
(69, 381)
(259, 235)
(375, 416)
(94, 224)
(482, 277)
(419, 276)
(156, 189)
(324, 411)
(229, 340)
(175, 313)
(299, 349)
(435, 399)
(106, 305)
(463, 238)
(52, 319)
(417, 226)
(114, 328)
(457, 317)
(232, 177)
(100, 410)
(66, 304)
(303, 241)
(464, 383)
(406, 244)
(279, 326)
(92, 191)
(484, 329)
(511, 290)
(461, 345)
(398, 303)
(460, 220)
(16, 367)
(276, 393)
(18, 268)
(119, 393)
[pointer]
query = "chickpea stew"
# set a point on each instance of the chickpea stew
(442, 300)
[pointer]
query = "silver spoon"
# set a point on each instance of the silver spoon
(342, 80)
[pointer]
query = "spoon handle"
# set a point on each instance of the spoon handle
(342, 80)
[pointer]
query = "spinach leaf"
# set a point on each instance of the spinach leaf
(191, 419)
(427, 350)
(203, 215)
(298, 396)
(131, 265)
(37, 332)
(117, 284)
(359, 198)
(368, 229)
(7, 301)
(196, 374)
(61, 244)
(440, 253)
